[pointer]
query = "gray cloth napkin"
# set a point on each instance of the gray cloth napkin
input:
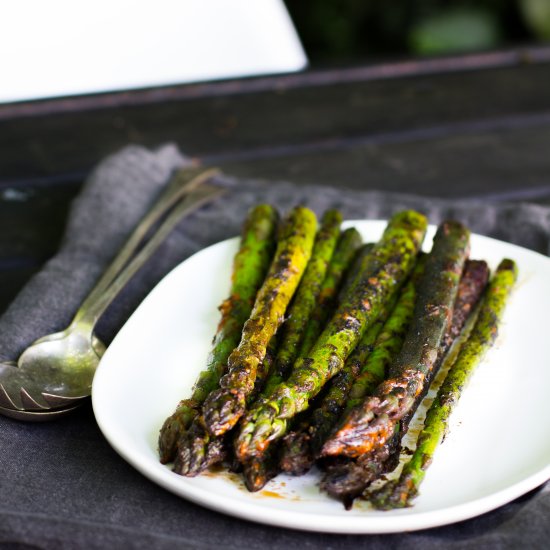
(62, 486)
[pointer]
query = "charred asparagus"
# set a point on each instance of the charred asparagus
(308, 291)
(345, 251)
(345, 478)
(223, 408)
(385, 269)
(399, 493)
(250, 266)
(301, 446)
(197, 449)
(369, 425)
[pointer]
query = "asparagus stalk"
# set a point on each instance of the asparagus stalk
(373, 370)
(258, 470)
(385, 269)
(345, 478)
(250, 266)
(308, 291)
(223, 407)
(470, 289)
(345, 251)
(197, 449)
(389, 342)
(399, 493)
(371, 424)
(300, 446)
(296, 456)
(348, 251)
(298, 451)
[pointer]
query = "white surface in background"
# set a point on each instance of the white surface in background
(61, 47)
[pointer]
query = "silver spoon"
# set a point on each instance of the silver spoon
(57, 370)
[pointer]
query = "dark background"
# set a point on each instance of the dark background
(348, 31)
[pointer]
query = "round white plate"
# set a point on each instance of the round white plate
(497, 448)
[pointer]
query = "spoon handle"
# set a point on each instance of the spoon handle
(183, 182)
(89, 313)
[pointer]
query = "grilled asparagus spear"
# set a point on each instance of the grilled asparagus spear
(345, 251)
(250, 266)
(399, 493)
(345, 478)
(308, 291)
(300, 446)
(197, 449)
(223, 407)
(369, 425)
(388, 343)
(470, 289)
(348, 253)
(386, 267)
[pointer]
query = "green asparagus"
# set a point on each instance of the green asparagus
(250, 266)
(385, 269)
(197, 449)
(308, 291)
(301, 444)
(345, 251)
(345, 478)
(399, 493)
(388, 343)
(223, 407)
(369, 425)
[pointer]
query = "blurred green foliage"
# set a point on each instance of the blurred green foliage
(455, 30)
(537, 15)
(347, 30)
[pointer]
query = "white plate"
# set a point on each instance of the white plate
(497, 448)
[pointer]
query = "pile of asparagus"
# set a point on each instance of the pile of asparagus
(327, 346)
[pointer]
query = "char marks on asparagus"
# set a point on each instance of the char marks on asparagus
(223, 407)
(301, 447)
(366, 331)
(308, 291)
(384, 270)
(250, 266)
(399, 493)
(345, 478)
(370, 424)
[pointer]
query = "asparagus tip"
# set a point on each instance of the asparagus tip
(258, 471)
(394, 494)
(174, 426)
(296, 456)
(344, 480)
(197, 451)
(259, 430)
(222, 409)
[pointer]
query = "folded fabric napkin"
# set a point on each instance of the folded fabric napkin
(63, 487)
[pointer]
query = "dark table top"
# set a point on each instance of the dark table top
(475, 126)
